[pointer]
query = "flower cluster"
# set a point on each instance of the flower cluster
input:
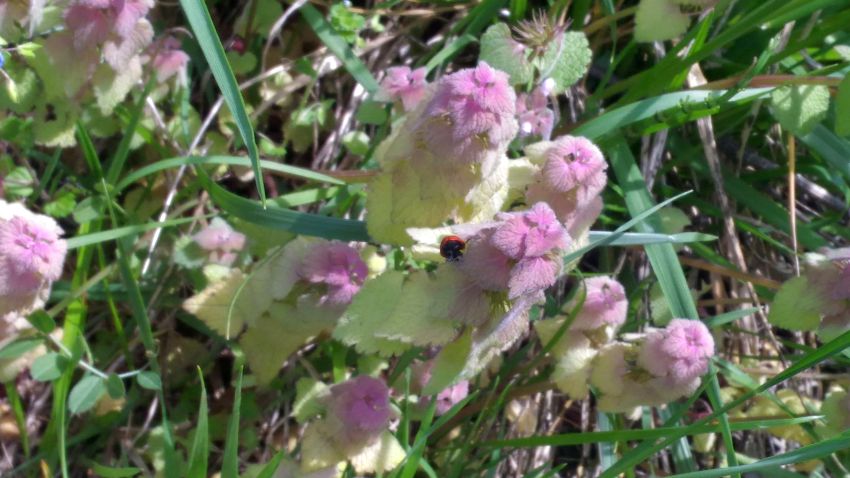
(32, 254)
(598, 310)
(336, 266)
(221, 242)
(403, 85)
(533, 113)
(666, 365)
(520, 253)
(470, 115)
(569, 174)
(354, 428)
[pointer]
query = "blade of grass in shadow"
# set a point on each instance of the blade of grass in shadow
(230, 463)
(806, 453)
(665, 264)
(292, 171)
(339, 47)
(274, 217)
(199, 456)
(116, 164)
(119, 232)
(612, 436)
(202, 25)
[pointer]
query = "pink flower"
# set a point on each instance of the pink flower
(521, 253)
(530, 234)
(168, 58)
(471, 114)
(221, 241)
(403, 85)
(116, 25)
(361, 406)
(605, 303)
(484, 264)
(575, 162)
(533, 115)
(31, 254)
(682, 351)
(337, 266)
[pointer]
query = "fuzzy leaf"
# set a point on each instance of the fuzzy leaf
(487, 196)
(657, 20)
(421, 315)
(795, 307)
(371, 308)
(277, 334)
(317, 450)
(800, 108)
(567, 62)
(213, 305)
(504, 53)
(449, 364)
(842, 108)
(308, 392)
(111, 87)
(380, 457)
(400, 198)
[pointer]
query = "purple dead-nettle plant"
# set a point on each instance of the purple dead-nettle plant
(446, 399)
(167, 59)
(403, 85)
(666, 365)
(338, 268)
(32, 254)
(520, 253)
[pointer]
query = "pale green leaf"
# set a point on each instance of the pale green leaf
(659, 20)
(504, 53)
(800, 108)
(796, 306)
(86, 393)
(449, 364)
(566, 62)
(308, 393)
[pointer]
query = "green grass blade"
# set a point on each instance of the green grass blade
(613, 436)
(172, 163)
(116, 164)
(665, 264)
(339, 47)
(274, 217)
(810, 452)
(230, 464)
(77, 242)
(199, 456)
(202, 25)
(271, 467)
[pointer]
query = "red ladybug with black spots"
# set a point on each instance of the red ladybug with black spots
(452, 247)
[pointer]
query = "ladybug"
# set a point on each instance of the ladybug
(451, 247)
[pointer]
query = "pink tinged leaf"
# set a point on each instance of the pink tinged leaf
(168, 63)
(336, 265)
(451, 396)
(651, 357)
(126, 14)
(532, 275)
(31, 254)
(486, 265)
(119, 51)
(89, 25)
